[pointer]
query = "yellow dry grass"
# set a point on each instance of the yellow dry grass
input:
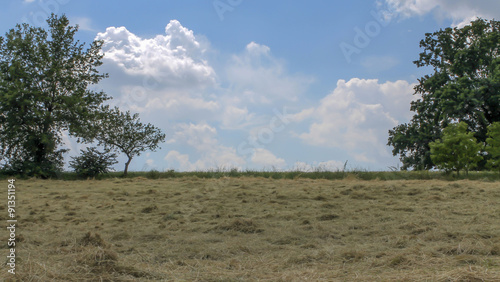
(249, 229)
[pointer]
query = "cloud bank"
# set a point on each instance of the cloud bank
(356, 117)
(461, 12)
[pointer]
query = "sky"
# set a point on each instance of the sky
(259, 85)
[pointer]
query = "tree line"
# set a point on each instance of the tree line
(44, 91)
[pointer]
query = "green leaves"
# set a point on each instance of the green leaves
(457, 150)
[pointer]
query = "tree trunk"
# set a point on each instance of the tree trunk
(126, 166)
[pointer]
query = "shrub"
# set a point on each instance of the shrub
(92, 163)
(153, 174)
(457, 150)
(493, 147)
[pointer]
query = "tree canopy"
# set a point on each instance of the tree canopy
(44, 79)
(464, 87)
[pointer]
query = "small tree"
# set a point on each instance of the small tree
(493, 145)
(457, 149)
(91, 162)
(122, 131)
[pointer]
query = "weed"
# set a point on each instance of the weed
(149, 209)
(240, 225)
(352, 256)
(326, 217)
(92, 240)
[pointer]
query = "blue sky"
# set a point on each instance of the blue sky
(260, 84)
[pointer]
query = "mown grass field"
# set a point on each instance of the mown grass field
(255, 229)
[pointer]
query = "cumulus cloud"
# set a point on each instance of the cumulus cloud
(460, 11)
(236, 118)
(174, 59)
(168, 72)
(267, 159)
(203, 138)
(257, 77)
(200, 136)
(210, 153)
(357, 115)
(181, 161)
(171, 73)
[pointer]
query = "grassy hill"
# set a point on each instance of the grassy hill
(253, 228)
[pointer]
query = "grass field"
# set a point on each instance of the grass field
(253, 228)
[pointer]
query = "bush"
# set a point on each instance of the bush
(26, 166)
(153, 174)
(91, 162)
(493, 147)
(456, 150)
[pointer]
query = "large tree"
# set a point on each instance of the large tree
(124, 132)
(44, 80)
(464, 86)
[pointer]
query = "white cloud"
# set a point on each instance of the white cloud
(321, 166)
(170, 73)
(167, 74)
(200, 136)
(180, 161)
(302, 115)
(357, 115)
(257, 50)
(210, 153)
(236, 118)
(174, 59)
(257, 77)
(150, 163)
(83, 23)
(460, 11)
(267, 159)
(176, 106)
(203, 138)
